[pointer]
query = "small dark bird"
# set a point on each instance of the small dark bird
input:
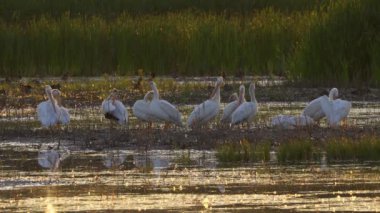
(25, 88)
(56, 86)
(65, 76)
(152, 76)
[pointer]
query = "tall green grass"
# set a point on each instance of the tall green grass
(16, 10)
(342, 46)
(332, 43)
(186, 43)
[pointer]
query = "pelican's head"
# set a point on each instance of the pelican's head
(219, 81)
(48, 88)
(148, 96)
(242, 89)
(56, 93)
(152, 84)
(113, 93)
(241, 93)
(252, 86)
(234, 97)
(334, 93)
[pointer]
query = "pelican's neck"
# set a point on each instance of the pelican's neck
(242, 95)
(156, 95)
(147, 96)
(252, 94)
(51, 99)
(333, 94)
(216, 93)
(59, 100)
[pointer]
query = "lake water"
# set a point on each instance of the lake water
(182, 180)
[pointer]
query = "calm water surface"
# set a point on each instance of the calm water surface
(182, 180)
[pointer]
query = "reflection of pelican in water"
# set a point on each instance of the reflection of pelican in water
(150, 162)
(49, 159)
(114, 159)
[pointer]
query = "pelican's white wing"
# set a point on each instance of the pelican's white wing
(141, 110)
(228, 110)
(283, 121)
(64, 117)
(336, 110)
(245, 112)
(162, 110)
(46, 114)
(171, 112)
(117, 109)
(314, 109)
(203, 113)
(107, 106)
(120, 112)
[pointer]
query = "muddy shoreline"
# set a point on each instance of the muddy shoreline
(205, 139)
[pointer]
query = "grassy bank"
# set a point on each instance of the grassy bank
(317, 43)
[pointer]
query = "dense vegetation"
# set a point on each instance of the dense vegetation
(318, 42)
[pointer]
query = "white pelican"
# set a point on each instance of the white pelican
(231, 107)
(162, 110)
(335, 110)
(114, 109)
(49, 159)
(314, 108)
(141, 108)
(291, 122)
(64, 117)
(208, 110)
(49, 112)
(247, 110)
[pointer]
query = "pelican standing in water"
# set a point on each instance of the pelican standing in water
(114, 109)
(161, 110)
(246, 111)
(231, 107)
(314, 108)
(49, 112)
(141, 108)
(207, 110)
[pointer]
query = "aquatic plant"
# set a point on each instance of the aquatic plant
(295, 151)
(244, 151)
(364, 149)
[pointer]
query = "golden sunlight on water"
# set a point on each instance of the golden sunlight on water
(156, 180)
